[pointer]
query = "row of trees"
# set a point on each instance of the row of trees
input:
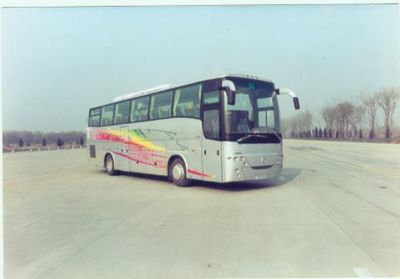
(325, 133)
(28, 138)
(347, 120)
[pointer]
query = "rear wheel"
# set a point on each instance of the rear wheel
(177, 173)
(109, 165)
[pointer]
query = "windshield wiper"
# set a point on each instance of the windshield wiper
(269, 135)
(258, 138)
(240, 140)
(265, 130)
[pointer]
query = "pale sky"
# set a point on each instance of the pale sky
(59, 62)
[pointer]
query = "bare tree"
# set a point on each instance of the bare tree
(328, 114)
(356, 118)
(297, 125)
(332, 118)
(344, 111)
(306, 120)
(370, 103)
(387, 100)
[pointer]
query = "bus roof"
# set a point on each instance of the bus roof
(163, 87)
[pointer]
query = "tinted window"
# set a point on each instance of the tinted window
(107, 115)
(94, 121)
(211, 114)
(211, 97)
(160, 105)
(187, 101)
(264, 102)
(139, 109)
(266, 118)
(95, 111)
(211, 123)
(94, 117)
(121, 112)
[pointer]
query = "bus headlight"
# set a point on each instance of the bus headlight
(279, 159)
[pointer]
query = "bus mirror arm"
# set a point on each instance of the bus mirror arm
(229, 87)
(285, 91)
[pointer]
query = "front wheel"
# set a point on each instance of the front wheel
(109, 165)
(177, 173)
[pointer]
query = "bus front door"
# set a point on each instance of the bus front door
(211, 145)
(211, 160)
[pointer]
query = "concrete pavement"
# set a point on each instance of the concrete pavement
(334, 213)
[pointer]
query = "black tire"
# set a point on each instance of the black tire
(109, 165)
(177, 173)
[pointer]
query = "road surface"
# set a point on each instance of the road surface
(335, 212)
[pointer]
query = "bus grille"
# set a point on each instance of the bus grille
(261, 167)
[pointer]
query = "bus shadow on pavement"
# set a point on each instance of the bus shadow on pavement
(288, 174)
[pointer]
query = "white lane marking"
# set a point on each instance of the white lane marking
(362, 272)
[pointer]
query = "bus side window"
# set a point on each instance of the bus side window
(160, 105)
(211, 97)
(187, 101)
(107, 115)
(94, 117)
(94, 121)
(139, 109)
(121, 112)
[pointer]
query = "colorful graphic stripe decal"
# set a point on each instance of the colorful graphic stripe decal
(139, 148)
(131, 137)
(138, 160)
(195, 172)
(191, 171)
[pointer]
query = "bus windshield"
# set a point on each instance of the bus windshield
(255, 110)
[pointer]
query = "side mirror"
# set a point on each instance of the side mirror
(285, 91)
(231, 96)
(229, 87)
(296, 103)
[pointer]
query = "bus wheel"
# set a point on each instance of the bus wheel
(178, 173)
(109, 164)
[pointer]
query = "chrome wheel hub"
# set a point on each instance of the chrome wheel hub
(109, 164)
(178, 172)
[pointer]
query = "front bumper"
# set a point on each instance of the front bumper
(252, 167)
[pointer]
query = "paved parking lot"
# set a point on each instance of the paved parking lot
(335, 212)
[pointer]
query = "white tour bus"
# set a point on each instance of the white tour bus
(221, 129)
